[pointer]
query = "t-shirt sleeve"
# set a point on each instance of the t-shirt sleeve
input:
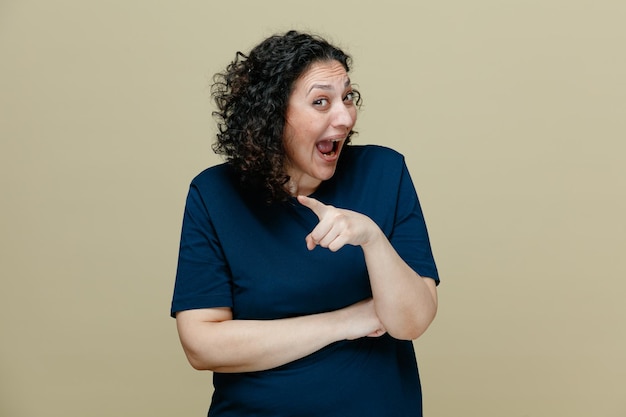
(202, 275)
(410, 236)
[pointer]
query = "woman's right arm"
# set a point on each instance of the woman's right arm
(213, 341)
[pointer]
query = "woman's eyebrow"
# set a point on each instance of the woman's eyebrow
(320, 87)
(327, 86)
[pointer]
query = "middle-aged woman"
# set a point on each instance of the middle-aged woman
(305, 268)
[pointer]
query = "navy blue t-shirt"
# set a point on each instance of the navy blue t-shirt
(238, 252)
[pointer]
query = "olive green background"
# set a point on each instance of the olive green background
(512, 117)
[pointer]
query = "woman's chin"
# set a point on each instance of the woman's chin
(326, 173)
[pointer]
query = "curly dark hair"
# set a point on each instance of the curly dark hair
(252, 96)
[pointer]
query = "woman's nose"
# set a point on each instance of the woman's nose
(343, 116)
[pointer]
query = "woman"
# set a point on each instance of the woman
(305, 268)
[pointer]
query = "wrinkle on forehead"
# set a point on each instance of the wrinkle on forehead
(324, 75)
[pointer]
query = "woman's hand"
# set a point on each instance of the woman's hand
(360, 320)
(338, 227)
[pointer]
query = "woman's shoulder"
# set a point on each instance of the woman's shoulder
(368, 167)
(216, 175)
(374, 151)
(372, 157)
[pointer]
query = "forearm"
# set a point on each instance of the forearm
(405, 303)
(255, 345)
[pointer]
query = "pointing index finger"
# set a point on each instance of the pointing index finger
(316, 206)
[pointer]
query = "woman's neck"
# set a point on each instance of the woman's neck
(301, 186)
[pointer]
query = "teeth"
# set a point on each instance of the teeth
(329, 145)
(332, 152)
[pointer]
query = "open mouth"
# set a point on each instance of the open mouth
(328, 147)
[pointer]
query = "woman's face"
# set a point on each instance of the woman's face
(320, 114)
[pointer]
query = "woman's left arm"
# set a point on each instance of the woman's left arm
(405, 302)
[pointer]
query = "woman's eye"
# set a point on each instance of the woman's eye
(349, 96)
(320, 102)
